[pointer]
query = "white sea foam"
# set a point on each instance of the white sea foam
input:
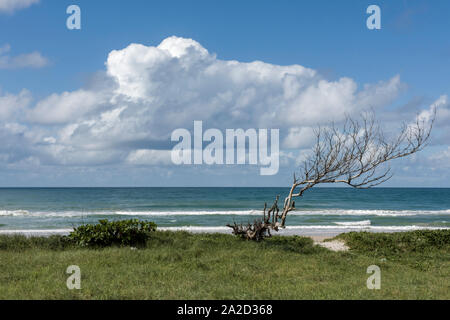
(191, 213)
(46, 214)
(291, 229)
(37, 232)
(328, 212)
(14, 213)
(327, 228)
(353, 223)
(380, 213)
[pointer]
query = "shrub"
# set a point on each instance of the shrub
(399, 242)
(107, 233)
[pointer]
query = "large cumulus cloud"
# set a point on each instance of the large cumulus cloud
(148, 91)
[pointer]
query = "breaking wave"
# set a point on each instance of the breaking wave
(353, 223)
(328, 212)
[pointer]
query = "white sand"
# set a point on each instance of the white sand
(334, 245)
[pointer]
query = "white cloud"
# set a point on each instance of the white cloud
(442, 107)
(149, 91)
(11, 105)
(299, 137)
(65, 107)
(440, 159)
(149, 157)
(27, 60)
(9, 6)
(179, 81)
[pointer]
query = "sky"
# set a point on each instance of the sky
(97, 106)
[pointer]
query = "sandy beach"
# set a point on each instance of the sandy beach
(317, 233)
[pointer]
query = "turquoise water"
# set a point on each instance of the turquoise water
(338, 208)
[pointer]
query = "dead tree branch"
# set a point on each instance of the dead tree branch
(356, 154)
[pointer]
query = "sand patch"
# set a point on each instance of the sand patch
(334, 245)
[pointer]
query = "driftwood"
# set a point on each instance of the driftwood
(259, 229)
(356, 154)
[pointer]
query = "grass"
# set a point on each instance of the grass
(180, 265)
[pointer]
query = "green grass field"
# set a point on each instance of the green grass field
(179, 265)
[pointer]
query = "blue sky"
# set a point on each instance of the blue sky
(329, 37)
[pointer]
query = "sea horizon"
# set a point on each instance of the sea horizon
(140, 187)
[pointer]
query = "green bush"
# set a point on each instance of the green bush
(107, 233)
(399, 242)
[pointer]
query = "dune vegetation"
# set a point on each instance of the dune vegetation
(180, 265)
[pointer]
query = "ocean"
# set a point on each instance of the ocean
(320, 211)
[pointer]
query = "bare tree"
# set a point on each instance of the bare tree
(356, 154)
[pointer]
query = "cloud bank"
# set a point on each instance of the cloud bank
(10, 6)
(127, 117)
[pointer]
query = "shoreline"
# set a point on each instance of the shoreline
(318, 233)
